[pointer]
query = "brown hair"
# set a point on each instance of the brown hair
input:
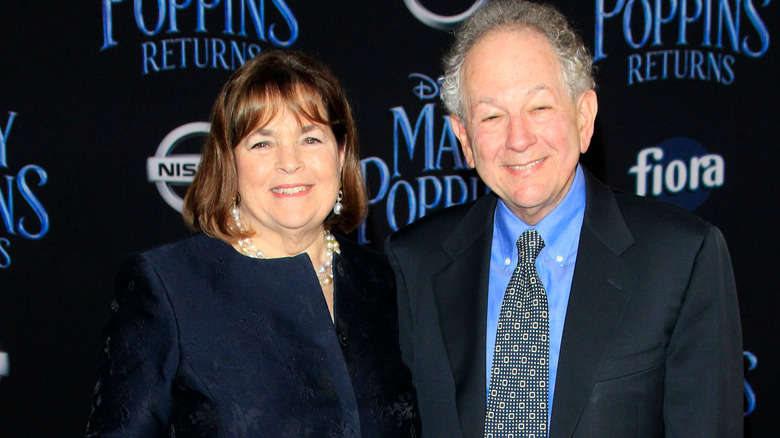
(264, 86)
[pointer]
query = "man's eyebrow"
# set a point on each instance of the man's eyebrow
(488, 100)
(532, 91)
(536, 89)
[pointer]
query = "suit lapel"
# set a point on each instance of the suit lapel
(600, 291)
(460, 289)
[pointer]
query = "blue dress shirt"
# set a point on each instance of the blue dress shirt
(560, 230)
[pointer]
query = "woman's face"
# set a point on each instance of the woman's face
(288, 175)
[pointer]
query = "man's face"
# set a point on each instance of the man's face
(521, 131)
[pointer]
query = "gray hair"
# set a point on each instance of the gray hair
(576, 62)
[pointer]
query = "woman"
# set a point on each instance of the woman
(263, 324)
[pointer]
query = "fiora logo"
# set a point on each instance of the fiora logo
(441, 22)
(168, 171)
(678, 170)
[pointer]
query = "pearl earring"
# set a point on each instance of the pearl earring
(338, 206)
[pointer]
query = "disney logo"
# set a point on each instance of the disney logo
(426, 88)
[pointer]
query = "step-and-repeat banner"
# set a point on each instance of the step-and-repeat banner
(104, 108)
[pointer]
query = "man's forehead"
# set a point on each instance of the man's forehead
(490, 64)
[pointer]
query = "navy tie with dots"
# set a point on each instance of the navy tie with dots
(517, 398)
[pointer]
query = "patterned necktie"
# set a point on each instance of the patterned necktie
(517, 399)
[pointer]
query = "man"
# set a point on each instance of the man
(640, 332)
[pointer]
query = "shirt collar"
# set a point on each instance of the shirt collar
(560, 229)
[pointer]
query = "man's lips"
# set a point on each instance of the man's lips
(526, 166)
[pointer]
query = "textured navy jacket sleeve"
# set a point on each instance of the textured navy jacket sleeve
(138, 359)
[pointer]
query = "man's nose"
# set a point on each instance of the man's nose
(521, 134)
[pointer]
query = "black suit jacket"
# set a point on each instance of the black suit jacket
(651, 342)
(205, 342)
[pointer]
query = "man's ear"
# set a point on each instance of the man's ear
(460, 131)
(587, 107)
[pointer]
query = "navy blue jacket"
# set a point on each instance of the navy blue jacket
(205, 342)
(651, 346)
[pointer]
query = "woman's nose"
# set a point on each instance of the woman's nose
(288, 159)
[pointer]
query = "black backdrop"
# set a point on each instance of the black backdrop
(88, 92)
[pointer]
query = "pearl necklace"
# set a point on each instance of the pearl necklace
(324, 271)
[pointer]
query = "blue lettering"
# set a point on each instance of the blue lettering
(361, 234)
(677, 73)
(173, 7)
(763, 32)
(149, 52)
(685, 19)
(33, 202)
(5, 256)
(292, 23)
(423, 193)
(183, 42)
(653, 18)
(108, 24)
(196, 50)
(237, 52)
(634, 64)
(151, 22)
(4, 133)
(254, 49)
(707, 24)
(7, 205)
(401, 120)
(411, 201)
(384, 176)
(697, 60)
(452, 146)
(229, 17)
(750, 395)
(627, 34)
(731, 22)
(714, 62)
(649, 64)
(201, 15)
(139, 17)
(449, 180)
(166, 52)
(258, 17)
(602, 14)
(727, 77)
(218, 52)
(659, 20)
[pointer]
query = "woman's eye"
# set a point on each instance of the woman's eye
(260, 145)
(311, 140)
